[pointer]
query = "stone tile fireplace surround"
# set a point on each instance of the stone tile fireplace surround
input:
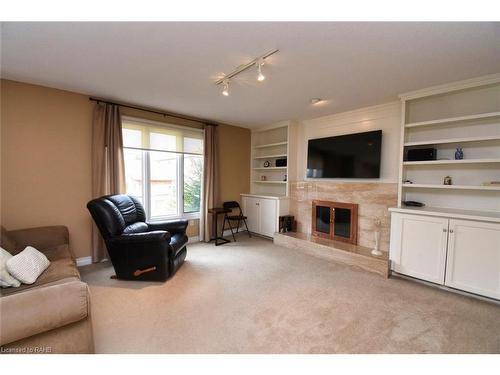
(373, 201)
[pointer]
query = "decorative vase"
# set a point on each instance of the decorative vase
(459, 153)
(376, 249)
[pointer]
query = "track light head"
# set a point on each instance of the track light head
(314, 101)
(260, 76)
(257, 62)
(225, 90)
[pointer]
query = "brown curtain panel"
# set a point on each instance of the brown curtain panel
(210, 182)
(108, 167)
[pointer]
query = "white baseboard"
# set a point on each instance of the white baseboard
(83, 261)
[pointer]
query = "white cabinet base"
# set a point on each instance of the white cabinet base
(263, 213)
(473, 262)
(418, 246)
(444, 287)
(460, 254)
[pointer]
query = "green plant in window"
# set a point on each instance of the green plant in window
(193, 167)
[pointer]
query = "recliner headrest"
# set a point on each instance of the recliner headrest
(113, 213)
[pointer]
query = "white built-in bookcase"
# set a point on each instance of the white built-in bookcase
(464, 114)
(270, 144)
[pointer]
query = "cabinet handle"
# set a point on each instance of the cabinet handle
(445, 230)
(451, 230)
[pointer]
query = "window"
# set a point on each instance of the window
(163, 167)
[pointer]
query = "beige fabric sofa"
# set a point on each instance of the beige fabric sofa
(53, 314)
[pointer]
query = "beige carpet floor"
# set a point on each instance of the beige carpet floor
(254, 297)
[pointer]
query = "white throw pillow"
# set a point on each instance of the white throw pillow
(6, 279)
(27, 265)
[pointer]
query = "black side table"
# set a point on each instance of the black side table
(216, 211)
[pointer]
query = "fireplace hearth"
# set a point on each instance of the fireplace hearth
(335, 221)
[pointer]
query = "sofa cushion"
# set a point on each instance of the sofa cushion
(42, 309)
(58, 252)
(7, 242)
(6, 279)
(27, 265)
(62, 268)
(40, 238)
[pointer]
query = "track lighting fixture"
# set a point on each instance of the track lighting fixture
(258, 62)
(225, 89)
(260, 76)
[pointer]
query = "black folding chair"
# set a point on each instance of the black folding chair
(231, 216)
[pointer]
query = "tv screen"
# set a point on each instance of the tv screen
(345, 156)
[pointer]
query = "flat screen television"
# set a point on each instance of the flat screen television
(345, 156)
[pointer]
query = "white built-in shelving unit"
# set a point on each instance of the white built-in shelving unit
(269, 144)
(268, 196)
(466, 115)
(454, 240)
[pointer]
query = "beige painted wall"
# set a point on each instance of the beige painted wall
(46, 161)
(234, 162)
(46, 177)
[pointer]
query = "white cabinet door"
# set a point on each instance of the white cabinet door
(473, 262)
(251, 209)
(268, 217)
(418, 246)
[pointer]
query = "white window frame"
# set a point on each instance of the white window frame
(146, 183)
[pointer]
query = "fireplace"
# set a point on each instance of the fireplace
(335, 220)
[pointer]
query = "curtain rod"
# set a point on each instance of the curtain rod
(164, 114)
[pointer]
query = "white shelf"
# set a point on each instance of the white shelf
(453, 119)
(270, 156)
(271, 145)
(452, 187)
(450, 212)
(269, 182)
(270, 168)
(453, 140)
(463, 161)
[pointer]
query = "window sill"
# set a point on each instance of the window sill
(190, 216)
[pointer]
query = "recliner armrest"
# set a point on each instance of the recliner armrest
(139, 255)
(174, 226)
(137, 238)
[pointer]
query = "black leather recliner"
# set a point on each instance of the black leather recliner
(138, 250)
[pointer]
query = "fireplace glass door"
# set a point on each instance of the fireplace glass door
(335, 220)
(323, 220)
(342, 222)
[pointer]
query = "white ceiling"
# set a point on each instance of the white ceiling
(173, 66)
